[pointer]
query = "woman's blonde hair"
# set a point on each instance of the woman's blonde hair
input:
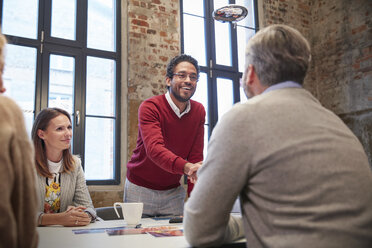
(2, 47)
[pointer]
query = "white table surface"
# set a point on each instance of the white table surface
(64, 237)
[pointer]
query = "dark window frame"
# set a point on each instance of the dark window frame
(79, 50)
(212, 69)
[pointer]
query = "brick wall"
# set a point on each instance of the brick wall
(153, 39)
(342, 45)
(340, 75)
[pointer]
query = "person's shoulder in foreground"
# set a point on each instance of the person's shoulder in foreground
(302, 176)
(18, 196)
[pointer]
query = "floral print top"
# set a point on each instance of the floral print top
(53, 188)
(52, 194)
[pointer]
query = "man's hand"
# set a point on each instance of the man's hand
(191, 169)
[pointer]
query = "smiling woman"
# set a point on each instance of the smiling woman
(62, 193)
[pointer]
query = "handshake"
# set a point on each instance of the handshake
(191, 169)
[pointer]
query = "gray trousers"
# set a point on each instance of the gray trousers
(156, 202)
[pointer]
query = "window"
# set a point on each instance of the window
(220, 50)
(66, 54)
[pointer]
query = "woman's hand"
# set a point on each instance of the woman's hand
(75, 216)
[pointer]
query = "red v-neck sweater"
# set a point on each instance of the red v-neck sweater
(165, 143)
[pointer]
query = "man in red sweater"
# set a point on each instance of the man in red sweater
(169, 144)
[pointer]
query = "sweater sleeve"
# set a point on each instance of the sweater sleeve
(82, 196)
(150, 130)
(207, 219)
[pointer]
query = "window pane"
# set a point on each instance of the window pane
(29, 121)
(206, 128)
(249, 20)
(244, 34)
(195, 7)
(19, 78)
(223, 43)
(225, 98)
(222, 38)
(64, 19)
(101, 24)
(61, 82)
(243, 97)
(20, 18)
(194, 38)
(201, 93)
(220, 3)
(100, 85)
(99, 148)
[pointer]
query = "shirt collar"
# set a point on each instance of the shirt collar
(175, 108)
(282, 85)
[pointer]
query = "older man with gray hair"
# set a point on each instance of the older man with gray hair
(302, 176)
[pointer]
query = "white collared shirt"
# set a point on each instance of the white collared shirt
(175, 108)
(282, 85)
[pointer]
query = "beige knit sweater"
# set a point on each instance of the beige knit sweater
(302, 176)
(17, 180)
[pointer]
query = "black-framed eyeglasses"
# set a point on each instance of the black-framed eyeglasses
(182, 76)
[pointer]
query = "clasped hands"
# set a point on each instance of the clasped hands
(75, 216)
(191, 169)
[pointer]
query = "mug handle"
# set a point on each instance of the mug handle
(116, 211)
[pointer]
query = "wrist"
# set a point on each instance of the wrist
(186, 168)
(91, 216)
(40, 219)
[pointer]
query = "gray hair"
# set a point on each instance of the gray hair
(278, 53)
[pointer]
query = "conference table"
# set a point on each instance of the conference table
(116, 233)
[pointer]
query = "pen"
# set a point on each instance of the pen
(138, 226)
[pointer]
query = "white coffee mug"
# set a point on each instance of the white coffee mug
(132, 211)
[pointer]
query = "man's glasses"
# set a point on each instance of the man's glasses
(182, 76)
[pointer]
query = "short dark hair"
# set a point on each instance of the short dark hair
(178, 59)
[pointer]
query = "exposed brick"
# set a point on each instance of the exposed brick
(136, 35)
(140, 23)
(142, 17)
(151, 31)
(162, 8)
(359, 29)
(144, 63)
(132, 15)
(164, 59)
